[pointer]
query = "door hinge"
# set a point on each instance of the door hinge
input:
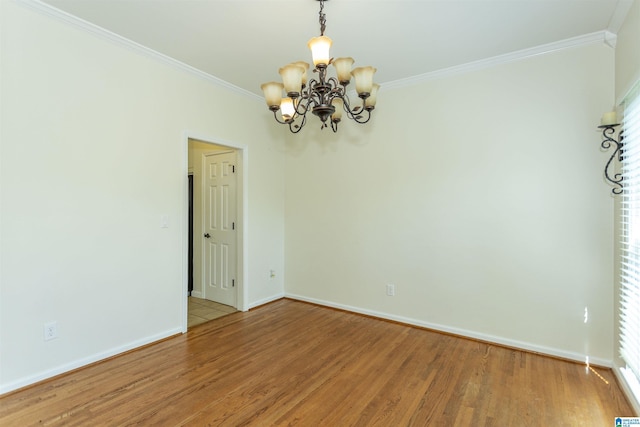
(233, 225)
(233, 168)
(233, 283)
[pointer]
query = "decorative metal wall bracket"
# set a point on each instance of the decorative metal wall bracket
(608, 140)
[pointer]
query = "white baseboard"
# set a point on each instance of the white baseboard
(50, 373)
(461, 332)
(267, 300)
(628, 389)
(196, 294)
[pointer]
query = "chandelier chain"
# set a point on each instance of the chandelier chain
(322, 19)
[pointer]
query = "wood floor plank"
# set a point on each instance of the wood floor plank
(293, 363)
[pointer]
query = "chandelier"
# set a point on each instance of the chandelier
(326, 97)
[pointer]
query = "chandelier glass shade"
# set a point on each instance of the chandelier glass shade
(326, 97)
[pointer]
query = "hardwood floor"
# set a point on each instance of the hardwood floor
(292, 363)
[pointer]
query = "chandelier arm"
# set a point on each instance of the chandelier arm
(346, 106)
(305, 109)
(335, 84)
(275, 116)
(336, 93)
(359, 118)
(298, 127)
(356, 115)
(313, 94)
(346, 101)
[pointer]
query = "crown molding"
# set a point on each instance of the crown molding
(100, 32)
(619, 15)
(600, 37)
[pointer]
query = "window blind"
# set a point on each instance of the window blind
(630, 244)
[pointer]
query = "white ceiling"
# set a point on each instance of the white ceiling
(244, 42)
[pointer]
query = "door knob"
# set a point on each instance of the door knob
(207, 235)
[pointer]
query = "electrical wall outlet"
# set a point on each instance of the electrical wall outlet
(391, 290)
(50, 331)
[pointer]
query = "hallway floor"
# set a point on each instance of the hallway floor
(202, 310)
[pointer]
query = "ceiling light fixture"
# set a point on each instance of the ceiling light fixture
(325, 97)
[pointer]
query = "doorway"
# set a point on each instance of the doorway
(228, 272)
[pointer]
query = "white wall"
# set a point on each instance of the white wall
(480, 196)
(92, 153)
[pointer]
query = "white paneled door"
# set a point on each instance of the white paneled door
(219, 217)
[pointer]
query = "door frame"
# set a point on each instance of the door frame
(242, 152)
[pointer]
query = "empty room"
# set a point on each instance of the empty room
(338, 212)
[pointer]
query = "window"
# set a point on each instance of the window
(630, 244)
